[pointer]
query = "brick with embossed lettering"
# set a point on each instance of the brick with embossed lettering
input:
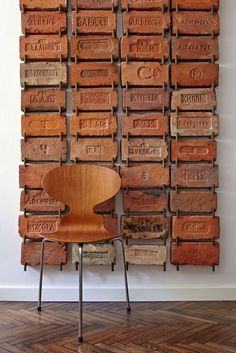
(145, 176)
(43, 47)
(94, 47)
(144, 4)
(43, 74)
(43, 149)
(145, 98)
(38, 201)
(35, 226)
(193, 201)
(150, 124)
(38, 5)
(94, 4)
(194, 124)
(93, 22)
(42, 99)
(201, 150)
(144, 48)
(95, 254)
(144, 74)
(195, 48)
(194, 75)
(138, 201)
(196, 254)
(95, 99)
(144, 149)
(93, 124)
(43, 22)
(195, 4)
(94, 74)
(146, 255)
(195, 22)
(54, 253)
(193, 99)
(142, 22)
(31, 176)
(194, 176)
(43, 125)
(97, 149)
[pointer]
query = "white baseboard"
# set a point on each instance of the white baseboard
(118, 294)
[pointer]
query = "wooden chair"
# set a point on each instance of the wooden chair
(81, 188)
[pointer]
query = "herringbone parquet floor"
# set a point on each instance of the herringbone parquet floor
(170, 327)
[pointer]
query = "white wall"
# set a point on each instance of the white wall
(191, 283)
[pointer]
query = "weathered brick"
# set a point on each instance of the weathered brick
(93, 124)
(43, 74)
(195, 48)
(35, 226)
(150, 124)
(144, 176)
(137, 201)
(110, 223)
(43, 5)
(144, 149)
(193, 201)
(195, 5)
(194, 99)
(95, 99)
(144, 227)
(41, 99)
(43, 22)
(146, 254)
(194, 124)
(95, 254)
(145, 98)
(43, 125)
(106, 207)
(99, 149)
(200, 254)
(141, 22)
(54, 253)
(94, 4)
(31, 176)
(43, 149)
(194, 75)
(94, 74)
(144, 47)
(101, 47)
(144, 74)
(144, 5)
(43, 47)
(202, 150)
(93, 22)
(195, 22)
(194, 176)
(39, 201)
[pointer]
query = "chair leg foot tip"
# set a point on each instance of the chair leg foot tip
(81, 339)
(39, 308)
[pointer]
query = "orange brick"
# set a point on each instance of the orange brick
(93, 124)
(43, 22)
(142, 22)
(150, 124)
(193, 150)
(94, 74)
(43, 125)
(95, 99)
(93, 22)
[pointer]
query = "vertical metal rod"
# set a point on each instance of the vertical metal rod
(80, 292)
(41, 274)
(125, 275)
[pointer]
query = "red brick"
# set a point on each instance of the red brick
(193, 201)
(43, 125)
(54, 253)
(110, 223)
(93, 124)
(144, 149)
(43, 5)
(43, 22)
(195, 22)
(150, 124)
(94, 74)
(93, 22)
(99, 149)
(194, 99)
(145, 176)
(39, 201)
(144, 48)
(195, 5)
(195, 48)
(144, 5)
(31, 175)
(137, 201)
(101, 47)
(193, 150)
(41, 99)
(94, 4)
(145, 99)
(194, 176)
(197, 254)
(35, 226)
(144, 227)
(44, 149)
(106, 207)
(144, 74)
(141, 22)
(43, 47)
(194, 124)
(194, 75)
(95, 99)
(43, 74)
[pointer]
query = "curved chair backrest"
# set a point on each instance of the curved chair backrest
(81, 188)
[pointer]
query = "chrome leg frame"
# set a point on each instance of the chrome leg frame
(41, 274)
(80, 292)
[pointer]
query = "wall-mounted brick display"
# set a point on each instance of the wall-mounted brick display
(95, 254)
(193, 201)
(193, 150)
(43, 22)
(144, 227)
(195, 5)
(144, 5)
(149, 124)
(94, 4)
(43, 149)
(43, 5)
(194, 99)
(43, 125)
(148, 22)
(31, 176)
(93, 124)
(138, 201)
(195, 23)
(39, 201)
(146, 254)
(93, 22)
(145, 99)
(144, 150)
(95, 99)
(36, 226)
(43, 99)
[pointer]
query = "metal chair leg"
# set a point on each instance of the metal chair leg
(80, 292)
(41, 274)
